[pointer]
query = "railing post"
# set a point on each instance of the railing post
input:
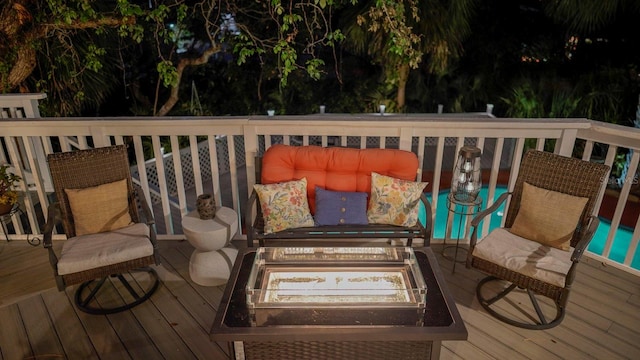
(406, 139)
(100, 139)
(250, 151)
(27, 153)
(565, 144)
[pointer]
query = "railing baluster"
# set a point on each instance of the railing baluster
(416, 134)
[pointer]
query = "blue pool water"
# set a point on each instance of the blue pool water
(621, 241)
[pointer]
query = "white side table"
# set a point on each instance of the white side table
(212, 260)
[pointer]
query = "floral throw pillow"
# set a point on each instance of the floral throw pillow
(284, 205)
(394, 201)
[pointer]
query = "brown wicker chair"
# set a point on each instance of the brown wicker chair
(513, 262)
(91, 259)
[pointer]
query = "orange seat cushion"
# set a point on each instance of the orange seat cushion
(335, 168)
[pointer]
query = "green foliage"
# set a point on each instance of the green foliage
(605, 91)
(313, 68)
(244, 48)
(348, 55)
(542, 100)
(168, 73)
(397, 41)
(93, 57)
(65, 39)
(524, 102)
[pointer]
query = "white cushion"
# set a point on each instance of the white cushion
(526, 257)
(92, 251)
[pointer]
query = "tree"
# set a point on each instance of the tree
(271, 31)
(289, 30)
(45, 30)
(398, 35)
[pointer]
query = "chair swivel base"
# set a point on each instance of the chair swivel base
(86, 293)
(539, 323)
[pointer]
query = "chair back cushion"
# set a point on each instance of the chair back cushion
(88, 168)
(562, 174)
(548, 217)
(335, 168)
(100, 208)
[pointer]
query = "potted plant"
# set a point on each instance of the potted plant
(8, 196)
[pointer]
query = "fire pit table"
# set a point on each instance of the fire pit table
(336, 303)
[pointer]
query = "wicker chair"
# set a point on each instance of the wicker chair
(514, 262)
(92, 258)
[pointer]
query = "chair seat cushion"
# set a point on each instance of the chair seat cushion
(92, 251)
(529, 258)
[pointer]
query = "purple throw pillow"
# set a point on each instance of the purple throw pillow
(340, 208)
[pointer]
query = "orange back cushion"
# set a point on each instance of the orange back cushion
(335, 168)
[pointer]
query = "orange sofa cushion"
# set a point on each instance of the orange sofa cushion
(335, 168)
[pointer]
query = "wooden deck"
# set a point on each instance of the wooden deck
(39, 322)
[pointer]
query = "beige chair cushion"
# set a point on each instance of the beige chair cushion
(100, 208)
(524, 256)
(548, 217)
(92, 251)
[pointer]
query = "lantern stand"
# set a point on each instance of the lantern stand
(463, 200)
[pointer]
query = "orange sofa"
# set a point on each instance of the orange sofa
(336, 169)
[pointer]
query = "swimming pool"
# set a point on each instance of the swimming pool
(620, 245)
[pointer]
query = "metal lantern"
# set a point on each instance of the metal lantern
(467, 180)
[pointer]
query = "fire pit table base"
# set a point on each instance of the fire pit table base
(246, 340)
(365, 350)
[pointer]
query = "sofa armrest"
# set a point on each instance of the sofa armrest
(428, 226)
(250, 217)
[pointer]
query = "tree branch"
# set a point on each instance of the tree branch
(182, 65)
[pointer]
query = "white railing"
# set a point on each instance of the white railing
(233, 142)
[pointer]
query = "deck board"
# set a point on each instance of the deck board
(39, 327)
(13, 336)
(68, 326)
(37, 320)
(104, 337)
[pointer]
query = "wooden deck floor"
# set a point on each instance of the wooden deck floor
(39, 322)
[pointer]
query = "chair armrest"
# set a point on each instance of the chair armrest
(142, 201)
(484, 213)
(148, 218)
(478, 218)
(579, 249)
(582, 244)
(53, 218)
(249, 217)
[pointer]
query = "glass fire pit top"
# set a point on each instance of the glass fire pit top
(329, 277)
